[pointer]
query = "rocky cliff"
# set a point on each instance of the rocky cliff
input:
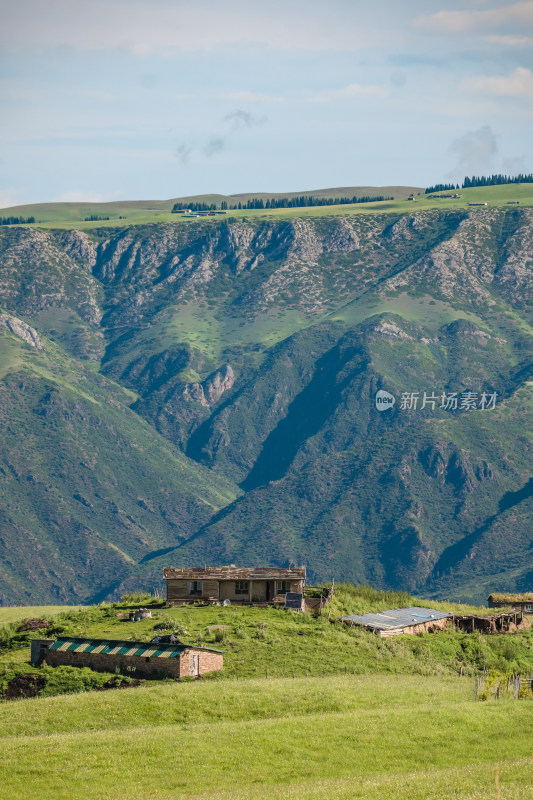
(206, 392)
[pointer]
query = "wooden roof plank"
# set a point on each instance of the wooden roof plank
(235, 573)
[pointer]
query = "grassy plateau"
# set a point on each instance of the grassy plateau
(69, 216)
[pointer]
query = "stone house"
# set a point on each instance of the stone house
(241, 585)
(148, 659)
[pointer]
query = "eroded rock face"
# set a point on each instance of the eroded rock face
(211, 390)
(448, 465)
(391, 330)
(78, 245)
(22, 330)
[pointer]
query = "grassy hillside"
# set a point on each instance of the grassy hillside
(304, 707)
(129, 209)
(9, 614)
(344, 737)
(275, 643)
(70, 216)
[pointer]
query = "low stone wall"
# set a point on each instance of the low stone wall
(423, 627)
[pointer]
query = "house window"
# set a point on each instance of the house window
(284, 587)
(195, 587)
(529, 608)
(241, 587)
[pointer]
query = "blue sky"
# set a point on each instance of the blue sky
(122, 99)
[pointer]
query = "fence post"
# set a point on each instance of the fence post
(497, 781)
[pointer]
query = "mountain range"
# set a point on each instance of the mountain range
(204, 392)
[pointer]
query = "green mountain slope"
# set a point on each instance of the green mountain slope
(250, 353)
(87, 488)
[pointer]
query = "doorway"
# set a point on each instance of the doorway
(194, 664)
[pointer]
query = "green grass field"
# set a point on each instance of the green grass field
(72, 215)
(304, 708)
(338, 737)
(9, 614)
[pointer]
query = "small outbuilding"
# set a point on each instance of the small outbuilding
(414, 619)
(504, 622)
(523, 601)
(241, 585)
(149, 659)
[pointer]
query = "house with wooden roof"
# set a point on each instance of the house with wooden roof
(148, 659)
(242, 585)
(523, 601)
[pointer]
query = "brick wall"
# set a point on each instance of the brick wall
(210, 662)
(148, 667)
(103, 662)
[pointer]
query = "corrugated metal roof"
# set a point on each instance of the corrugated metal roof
(113, 647)
(397, 618)
(235, 573)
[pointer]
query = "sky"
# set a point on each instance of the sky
(123, 99)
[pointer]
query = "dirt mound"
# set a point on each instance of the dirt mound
(33, 624)
(118, 683)
(26, 685)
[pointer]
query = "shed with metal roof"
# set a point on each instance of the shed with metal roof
(143, 658)
(395, 621)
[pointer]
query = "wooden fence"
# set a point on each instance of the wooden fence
(516, 685)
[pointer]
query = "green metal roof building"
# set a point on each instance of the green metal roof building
(146, 659)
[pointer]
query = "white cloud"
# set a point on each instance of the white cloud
(9, 197)
(243, 119)
(214, 146)
(253, 97)
(234, 123)
(518, 84)
(80, 196)
(474, 21)
(475, 151)
(514, 165)
(160, 27)
(511, 41)
(350, 92)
